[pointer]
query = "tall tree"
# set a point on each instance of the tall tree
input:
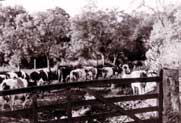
(53, 29)
(142, 30)
(9, 41)
(110, 33)
(164, 44)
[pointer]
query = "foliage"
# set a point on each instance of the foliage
(10, 43)
(110, 33)
(165, 40)
(26, 36)
(52, 31)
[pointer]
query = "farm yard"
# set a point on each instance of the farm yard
(101, 65)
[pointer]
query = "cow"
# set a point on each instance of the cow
(78, 75)
(91, 72)
(2, 77)
(48, 75)
(12, 75)
(34, 78)
(22, 74)
(14, 84)
(107, 72)
(15, 74)
(64, 72)
(39, 77)
(43, 76)
(126, 69)
(137, 87)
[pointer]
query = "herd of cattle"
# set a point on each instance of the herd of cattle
(21, 79)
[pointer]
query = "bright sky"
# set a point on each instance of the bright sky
(74, 6)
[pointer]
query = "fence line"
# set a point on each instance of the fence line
(70, 104)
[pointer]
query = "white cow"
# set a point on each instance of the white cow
(12, 75)
(91, 72)
(137, 87)
(13, 84)
(78, 75)
(107, 72)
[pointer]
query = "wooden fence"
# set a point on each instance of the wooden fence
(99, 99)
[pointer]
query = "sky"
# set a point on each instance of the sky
(74, 7)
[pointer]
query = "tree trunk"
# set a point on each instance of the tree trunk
(19, 66)
(115, 59)
(48, 63)
(103, 58)
(34, 63)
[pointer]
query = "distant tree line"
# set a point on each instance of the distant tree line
(53, 36)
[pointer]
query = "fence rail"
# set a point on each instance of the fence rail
(81, 84)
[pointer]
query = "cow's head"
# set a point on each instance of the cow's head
(126, 69)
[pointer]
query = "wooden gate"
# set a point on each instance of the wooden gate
(32, 112)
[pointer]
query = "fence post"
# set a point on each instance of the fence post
(171, 100)
(160, 97)
(69, 106)
(34, 105)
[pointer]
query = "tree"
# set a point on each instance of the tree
(9, 41)
(141, 35)
(109, 32)
(92, 33)
(164, 44)
(52, 32)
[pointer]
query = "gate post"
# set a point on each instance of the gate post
(171, 100)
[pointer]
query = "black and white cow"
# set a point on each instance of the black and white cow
(64, 72)
(108, 71)
(34, 78)
(2, 77)
(14, 84)
(43, 76)
(78, 75)
(137, 87)
(39, 77)
(22, 74)
(13, 75)
(91, 72)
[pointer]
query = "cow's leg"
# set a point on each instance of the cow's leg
(133, 91)
(12, 102)
(142, 90)
(27, 96)
(3, 104)
(133, 88)
(142, 86)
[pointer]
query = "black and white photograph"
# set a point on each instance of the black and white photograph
(90, 61)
